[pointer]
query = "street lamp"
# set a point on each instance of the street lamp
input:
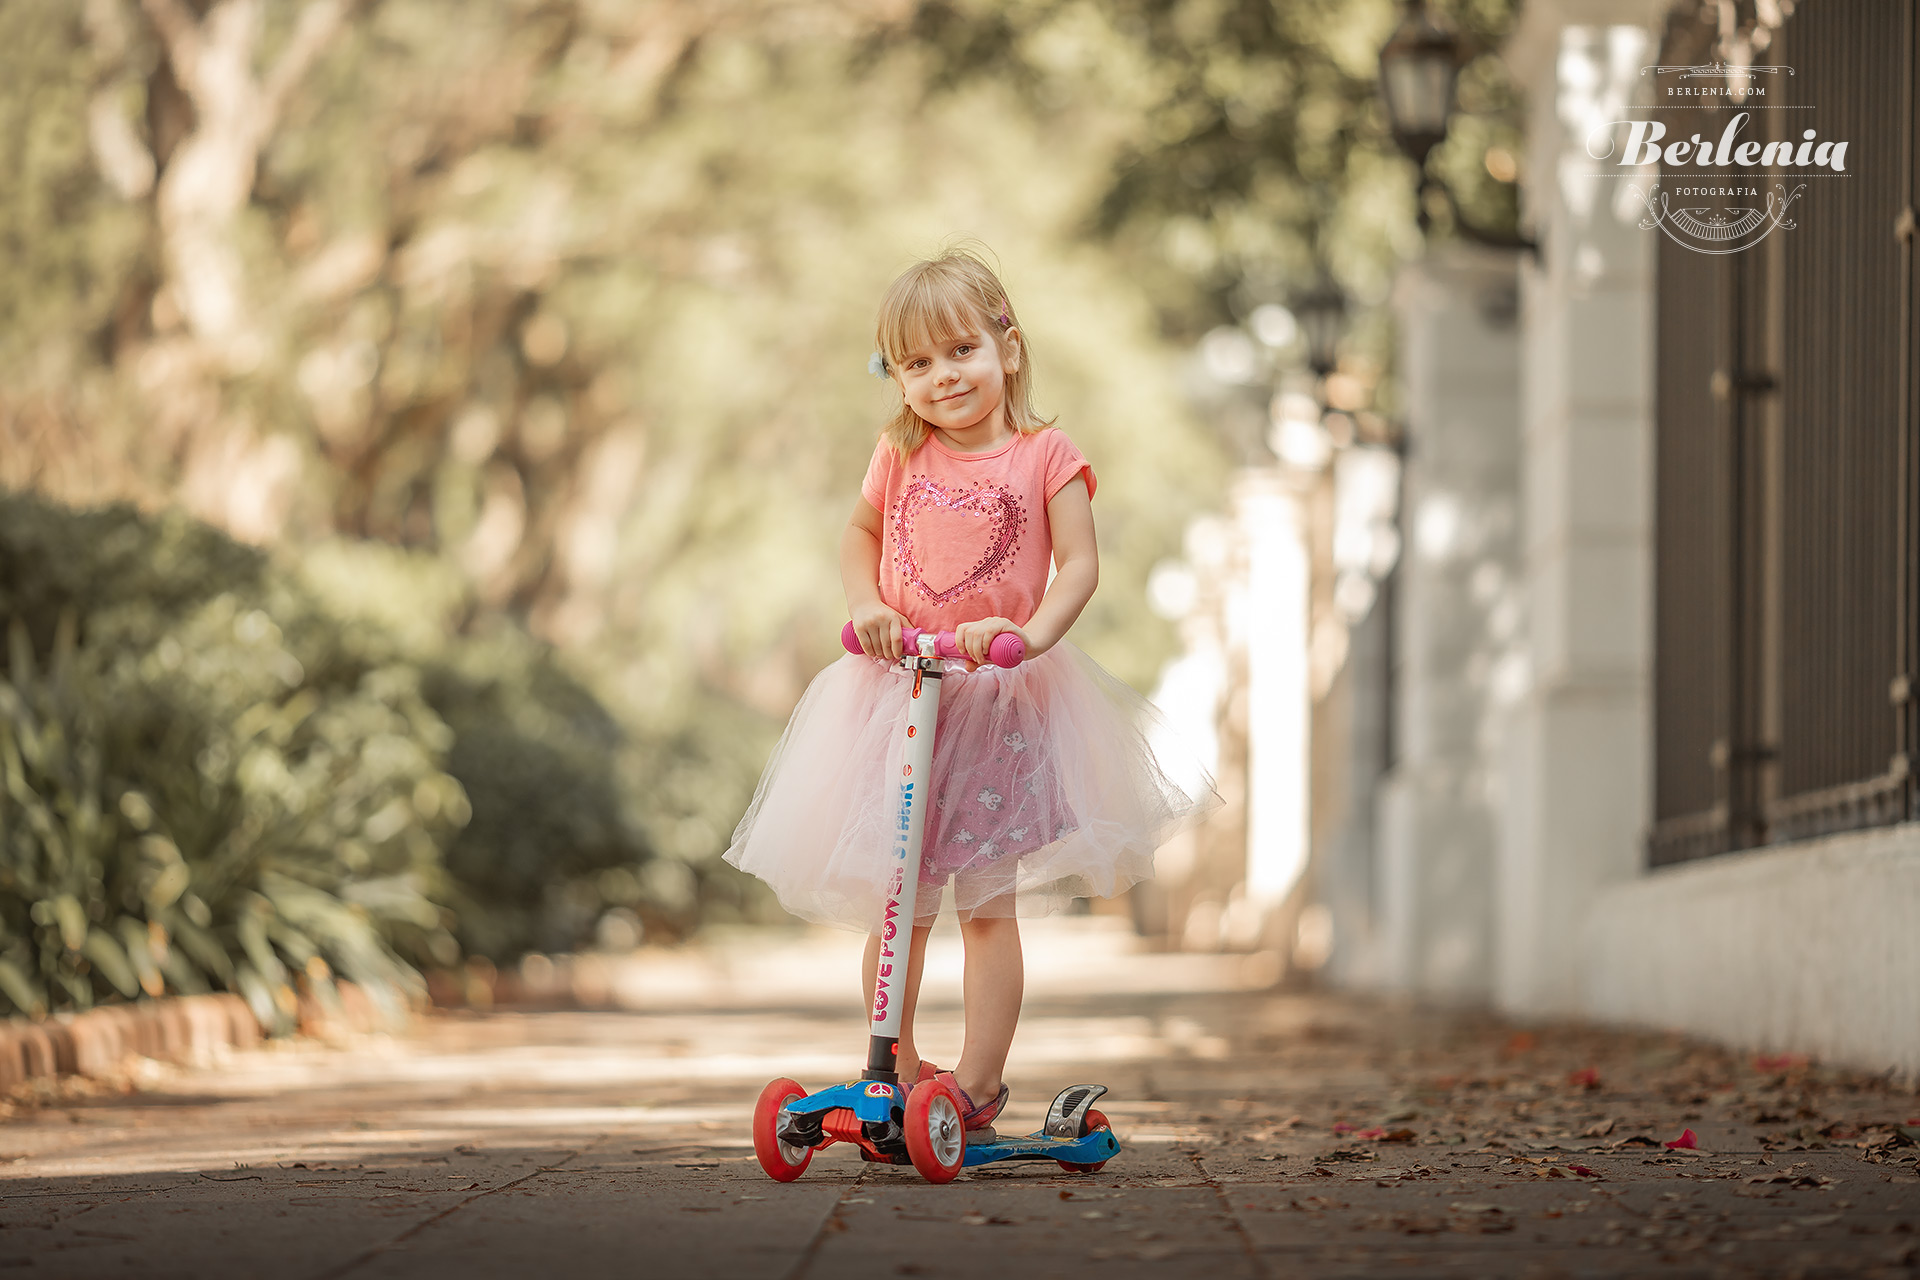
(1322, 313)
(1418, 67)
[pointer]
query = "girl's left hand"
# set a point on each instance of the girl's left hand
(976, 637)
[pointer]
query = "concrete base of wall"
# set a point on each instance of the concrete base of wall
(1808, 948)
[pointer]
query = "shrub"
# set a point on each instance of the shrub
(217, 774)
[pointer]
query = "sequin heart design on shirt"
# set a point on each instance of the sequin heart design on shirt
(928, 508)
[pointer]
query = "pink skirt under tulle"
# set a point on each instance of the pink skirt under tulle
(1045, 790)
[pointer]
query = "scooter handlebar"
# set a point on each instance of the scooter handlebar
(1007, 649)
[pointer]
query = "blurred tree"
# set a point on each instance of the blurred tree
(572, 298)
(1261, 150)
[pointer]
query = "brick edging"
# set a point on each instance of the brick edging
(180, 1029)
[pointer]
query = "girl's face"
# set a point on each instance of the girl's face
(959, 381)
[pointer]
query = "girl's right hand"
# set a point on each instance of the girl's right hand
(879, 630)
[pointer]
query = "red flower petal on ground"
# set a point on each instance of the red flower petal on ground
(1687, 1141)
(1343, 1127)
(1369, 1135)
(1582, 1170)
(1585, 1078)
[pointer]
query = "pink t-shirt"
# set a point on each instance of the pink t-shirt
(964, 535)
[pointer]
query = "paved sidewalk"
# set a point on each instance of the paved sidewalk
(1265, 1136)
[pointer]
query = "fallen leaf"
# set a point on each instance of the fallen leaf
(1687, 1141)
(1585, 1078)
(1599, 1129)
(1582, 1170)
(1398, 1135)
(1520, 1042)
(1342, 1127)
(1371, 1135)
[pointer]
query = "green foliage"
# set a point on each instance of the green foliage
(571, 301)
(1260, 146)
(218, 776)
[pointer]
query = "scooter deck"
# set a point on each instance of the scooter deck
(1091, 1148)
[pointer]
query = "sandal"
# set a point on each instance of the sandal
(975, 1118)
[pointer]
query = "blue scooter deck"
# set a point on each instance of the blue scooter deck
(1091, 1148)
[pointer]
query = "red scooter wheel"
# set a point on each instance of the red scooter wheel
(936, 1139)
(782, 1161)
(1093, 1120)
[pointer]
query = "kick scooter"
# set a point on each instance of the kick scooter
(917, 1124)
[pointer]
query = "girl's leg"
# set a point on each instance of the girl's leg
(995, 979)
(908, 1063)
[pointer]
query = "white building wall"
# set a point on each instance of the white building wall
(1807, 947)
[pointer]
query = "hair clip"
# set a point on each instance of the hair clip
(1005, 322)
(877, 365)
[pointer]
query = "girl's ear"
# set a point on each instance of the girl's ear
(1011, 340)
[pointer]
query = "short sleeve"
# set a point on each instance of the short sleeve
(886, 460)
(1064, 462)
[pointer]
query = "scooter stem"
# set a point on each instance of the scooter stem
(903, 882)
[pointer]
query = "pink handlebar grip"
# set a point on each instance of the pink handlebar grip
(1007, 649)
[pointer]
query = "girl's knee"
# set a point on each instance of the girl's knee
(990, 927)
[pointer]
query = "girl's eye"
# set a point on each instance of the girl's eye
(962, 349)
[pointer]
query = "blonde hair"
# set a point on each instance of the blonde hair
(944, 297)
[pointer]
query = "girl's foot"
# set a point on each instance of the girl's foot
(924, 1071)
(974, 1117)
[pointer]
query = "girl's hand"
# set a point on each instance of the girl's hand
(976, 637)
(879, 630)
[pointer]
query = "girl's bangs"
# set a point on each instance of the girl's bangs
(925, 313)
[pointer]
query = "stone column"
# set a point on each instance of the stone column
(1579, 751)
(1457, 614)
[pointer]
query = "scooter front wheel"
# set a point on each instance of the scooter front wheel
(782, 1161)
(1093, 1120)
(936, 1139)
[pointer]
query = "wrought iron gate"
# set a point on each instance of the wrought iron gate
(1787, 493)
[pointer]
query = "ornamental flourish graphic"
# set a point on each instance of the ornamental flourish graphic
(1706, 229)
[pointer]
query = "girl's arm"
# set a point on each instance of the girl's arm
(877, 626)
(1076, 561)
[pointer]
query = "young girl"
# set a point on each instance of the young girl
(1044, 787)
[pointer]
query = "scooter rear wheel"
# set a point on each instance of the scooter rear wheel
(782, 1161)
(936, 1139)
(1093, 1120)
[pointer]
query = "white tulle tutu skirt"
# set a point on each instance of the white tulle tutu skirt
(1045, 790)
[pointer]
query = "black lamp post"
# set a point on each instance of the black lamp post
(1418, 67)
